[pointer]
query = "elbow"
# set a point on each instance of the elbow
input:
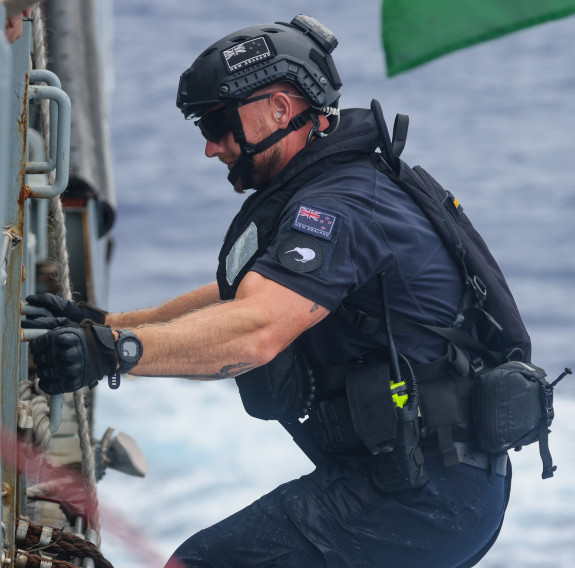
(265, 346)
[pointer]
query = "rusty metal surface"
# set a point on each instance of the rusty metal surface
(23, 245)
(13, 197)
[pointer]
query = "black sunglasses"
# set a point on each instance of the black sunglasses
(216, 124)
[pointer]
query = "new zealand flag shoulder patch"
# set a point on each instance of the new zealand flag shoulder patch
(317, 222)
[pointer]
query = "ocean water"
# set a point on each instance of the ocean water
(494, 123)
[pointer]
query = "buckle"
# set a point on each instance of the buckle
(477, 365)
(298, 121)
(479, 288)
(547, 400)
(366, 324)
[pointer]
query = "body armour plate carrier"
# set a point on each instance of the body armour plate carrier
(487, 331)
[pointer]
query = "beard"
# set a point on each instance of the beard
(266, 166)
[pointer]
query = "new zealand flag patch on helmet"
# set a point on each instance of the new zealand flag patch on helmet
(317, 222)
(246, 53)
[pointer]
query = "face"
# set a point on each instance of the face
(216, 128)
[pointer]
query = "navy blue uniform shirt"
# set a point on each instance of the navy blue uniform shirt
(356, 223)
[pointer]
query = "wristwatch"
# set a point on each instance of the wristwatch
(129, 350)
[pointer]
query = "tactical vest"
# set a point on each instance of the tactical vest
(256, 223)
(282, 388)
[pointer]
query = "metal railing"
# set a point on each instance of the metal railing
(16, 93)
(60, 123)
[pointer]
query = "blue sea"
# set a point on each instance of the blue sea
(494, 123)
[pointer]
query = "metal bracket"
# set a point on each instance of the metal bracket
(60, 124)
(9, 241)
(52, 80)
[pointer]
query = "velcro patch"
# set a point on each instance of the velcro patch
(320, 223)
(246, 53)
(301, 253)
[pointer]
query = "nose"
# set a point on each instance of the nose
(213, 148)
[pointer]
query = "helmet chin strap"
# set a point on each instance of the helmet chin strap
(243, 168)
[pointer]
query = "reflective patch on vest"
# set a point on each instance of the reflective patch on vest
(301, 253)
(244, 248)
(246, 53)
(320, 223)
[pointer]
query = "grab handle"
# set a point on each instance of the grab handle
(59, 136)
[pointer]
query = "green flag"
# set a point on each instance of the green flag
(416, 31)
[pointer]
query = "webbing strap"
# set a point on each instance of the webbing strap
(546, 395)
(386, 145)
(456, 336)
(548, 467)
(295, 123)
(243, 168)
(447, 445)
(354, 316)
(400, 127)
(453, 360)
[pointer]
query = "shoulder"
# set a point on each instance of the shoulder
(345, 186)
(359, 193)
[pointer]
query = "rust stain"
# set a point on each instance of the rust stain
(23, 130)
(7, 490)
(25, 193)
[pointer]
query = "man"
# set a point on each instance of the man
(315, 260)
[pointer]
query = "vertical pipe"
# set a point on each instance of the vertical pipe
(14, 193)
(5, 82)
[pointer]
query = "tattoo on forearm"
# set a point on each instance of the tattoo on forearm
(233, 370)
(226, 372)
(314, 307)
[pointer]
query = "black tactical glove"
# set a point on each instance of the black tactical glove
(59, 307)
(71, 356)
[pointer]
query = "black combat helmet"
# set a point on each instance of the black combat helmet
(254, 57)
(233, 68)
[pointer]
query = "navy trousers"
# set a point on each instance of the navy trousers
(339, 518)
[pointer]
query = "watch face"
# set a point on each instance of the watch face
(130, 349)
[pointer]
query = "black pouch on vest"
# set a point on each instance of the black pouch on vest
(372, 409)
(360, 414)
(403, 468)
(512, 406)
(275, 391)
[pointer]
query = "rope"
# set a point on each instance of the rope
(88, 460)
(34, 415)
(24, 560)
(66, 546)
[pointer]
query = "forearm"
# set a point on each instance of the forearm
(213, 343)
(176, 308)
(230, 338)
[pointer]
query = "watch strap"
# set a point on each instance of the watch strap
(124, 365)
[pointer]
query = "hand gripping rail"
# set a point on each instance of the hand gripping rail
(56, 400)
(59, 160)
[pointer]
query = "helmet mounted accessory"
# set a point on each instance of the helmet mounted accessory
(251, 59)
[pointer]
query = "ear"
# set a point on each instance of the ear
(282, 108)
